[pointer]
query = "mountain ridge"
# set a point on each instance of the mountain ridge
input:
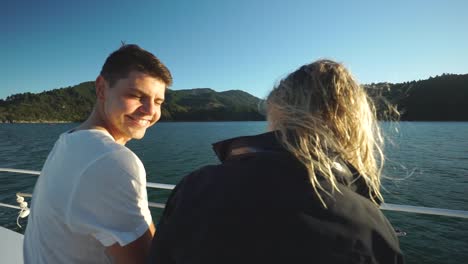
(74, 104)
(439, 98)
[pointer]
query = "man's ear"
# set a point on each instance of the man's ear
(101, 85)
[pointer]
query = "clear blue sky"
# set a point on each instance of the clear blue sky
(223, 45)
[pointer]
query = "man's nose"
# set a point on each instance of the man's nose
(149, 107)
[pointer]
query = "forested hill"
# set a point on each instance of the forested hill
(73, 104)
(64, 104)
(441, 98)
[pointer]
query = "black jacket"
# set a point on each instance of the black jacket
(258, 206)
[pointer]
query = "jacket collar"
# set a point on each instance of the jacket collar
(265, 142)
(345, 173)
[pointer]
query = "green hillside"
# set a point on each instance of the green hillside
(441, 98)
(73, 104)
(64, 104)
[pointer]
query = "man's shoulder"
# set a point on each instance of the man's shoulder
(95, 152)
(121, 157)
(94, 144)
(91, 137)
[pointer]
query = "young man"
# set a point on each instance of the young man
(90, 203)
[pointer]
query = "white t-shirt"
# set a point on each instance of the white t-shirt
(91, 194)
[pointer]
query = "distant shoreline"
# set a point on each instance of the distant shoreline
(37, 122)
(202, 121)
(161, 121)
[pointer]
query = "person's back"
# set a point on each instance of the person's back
(82, 165)
(90, 204)
(258, 206)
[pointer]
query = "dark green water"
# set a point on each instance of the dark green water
(427, 166)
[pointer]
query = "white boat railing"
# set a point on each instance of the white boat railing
(384, 206)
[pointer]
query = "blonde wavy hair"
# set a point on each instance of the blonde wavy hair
(321, 114)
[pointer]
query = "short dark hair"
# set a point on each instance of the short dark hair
(131, 57)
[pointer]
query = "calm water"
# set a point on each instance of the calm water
(427, 166)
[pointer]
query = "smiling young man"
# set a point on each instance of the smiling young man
(90, 202)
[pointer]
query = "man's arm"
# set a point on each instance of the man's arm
(135, 252)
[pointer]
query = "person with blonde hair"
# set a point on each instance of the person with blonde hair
(308, 191)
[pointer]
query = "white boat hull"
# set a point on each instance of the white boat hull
(11, 246)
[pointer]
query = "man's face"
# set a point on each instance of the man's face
(132, 105)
